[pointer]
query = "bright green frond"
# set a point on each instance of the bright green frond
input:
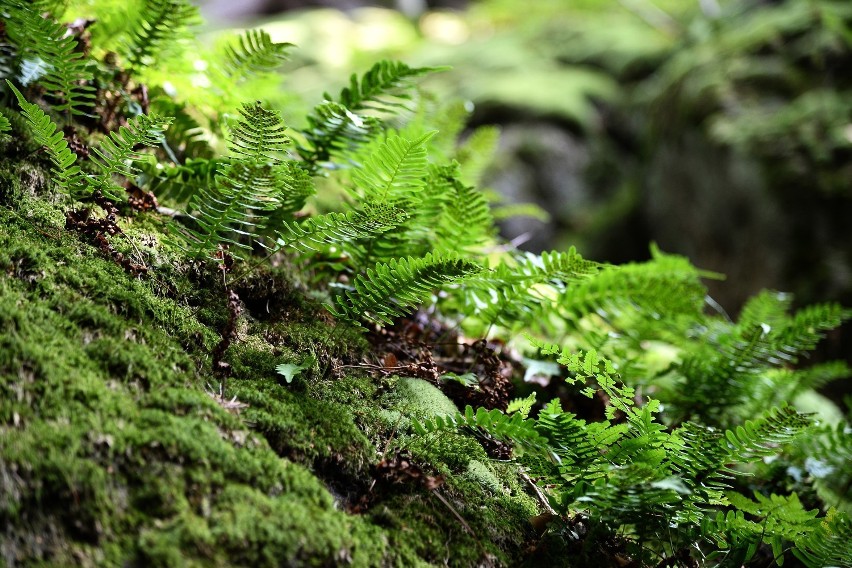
(394, 289)
(336, 228)
(119, 149)
(50, 56)
(254, 53)
(395, 171)
(162, 23)
(67, 174)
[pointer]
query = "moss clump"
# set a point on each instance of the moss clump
(114, 454)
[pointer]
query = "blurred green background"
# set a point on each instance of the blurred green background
(721, 130)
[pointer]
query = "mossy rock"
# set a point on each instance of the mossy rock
(117, 448)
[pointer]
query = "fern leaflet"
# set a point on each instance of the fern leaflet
(252, 54)
(333, 228)
(393, 289)
(67, 174)
(163, 22)
(51, 57)
(118, 150)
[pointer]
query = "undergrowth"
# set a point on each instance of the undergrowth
(144, 422)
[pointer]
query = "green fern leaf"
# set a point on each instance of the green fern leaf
(759, 438)
(66, 173)
(248, 189)
(515, 295)
(394, 172)
(382, 87)
(515, 428)
(50, 56)
(393, 289)
(828, 545)
(254, 53)
(465, 222)
(118, 150)
(336, 228)
(340, 125)
(163, 22)
(5, 126)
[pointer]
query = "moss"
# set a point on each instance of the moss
(482, 474)
(114, 454)
(425, 399)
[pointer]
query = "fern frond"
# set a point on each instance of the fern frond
(259, 135)
(5, 125)
(187, 138)
(391, 290)
(333, 129)
(179, 183)
(828, 545)
(295, 186)
(383, 87)
(466, 221)
(66, 173)
(338, 125)
(162, 23)
(252, 54)
(666, 286)
(512, 295)
(247, 189)
(51, 57)
(759, 438)
(476, 153)
(335, 228)
(730, 365)
(119, 148)
(515, 428)
(395, 171)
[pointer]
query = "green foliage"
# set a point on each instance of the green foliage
(252, 54)
(338, 228)
(690, 408)
(828, 545)
(515, 428)
(247, 189)
(66, 173)
(50, 56)
(120, 148)
(338, 125)
(390, 290)
(5, 126)
(161, 24)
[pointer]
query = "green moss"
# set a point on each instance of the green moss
(117, 455)
(480, 473)
(425, 399)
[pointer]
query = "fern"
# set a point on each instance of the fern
(336, 228)
(828, 545)
(50, 56)
(5, 126)
(465, 222)
(247, 188)
(118, 150)
(252, 54)
(66, 173)
(162, 23)
(391, 290)
(384, 87)
(724, 370)
(510, 428)
(394, 172)
(668, 286)
(513, 295)
(340, 125)
(179, 183)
